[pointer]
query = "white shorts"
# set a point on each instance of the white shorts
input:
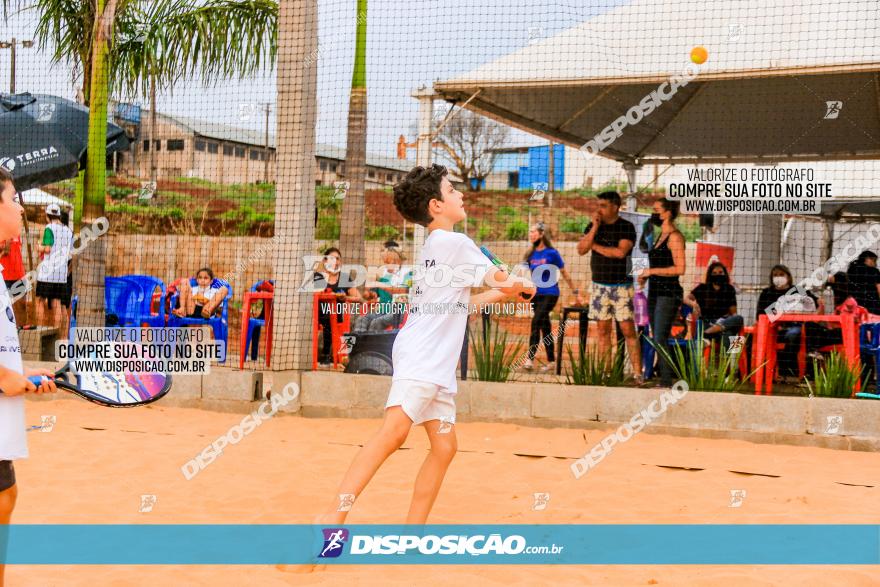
(422, 401)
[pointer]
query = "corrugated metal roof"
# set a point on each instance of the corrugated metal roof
(225, 132)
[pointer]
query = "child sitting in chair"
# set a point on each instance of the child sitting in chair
(202, 301)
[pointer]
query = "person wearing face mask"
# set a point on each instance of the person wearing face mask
(667, 263)
(789, 333)
(545, 264)
(326, 278)
(714, 305)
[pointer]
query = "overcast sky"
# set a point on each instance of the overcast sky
(410, 43)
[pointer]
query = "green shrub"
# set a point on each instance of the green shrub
(577, 224)
(492, 357)
(507, 212)
(719, 373)
(587, 367)
(118, 193)
(383, 232)
(836, 378)
(484, 231)
(328, 228)
(517, 230)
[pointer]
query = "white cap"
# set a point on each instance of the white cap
(53, 210)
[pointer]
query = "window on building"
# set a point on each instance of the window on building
(157, 144)
(323, 166)
(333, 168)
(255, 155)
(175, 144)
(371, 174)
(213, 148)
(239, 152)
(199, 145)
(228, 150)
(146, 145)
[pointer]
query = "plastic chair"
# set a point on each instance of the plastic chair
(337, 328)
(255, 325)
(74, 301)
(648, 350)
(869, 346)
(123, 300)
(219, 324)
(152, 311)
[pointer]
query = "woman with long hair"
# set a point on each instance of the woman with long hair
(544, 259)
(667, 262)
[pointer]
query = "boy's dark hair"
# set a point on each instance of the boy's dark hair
(612, 197)
(5, 177)
(671, 206)
(329, 250)
(416, 190)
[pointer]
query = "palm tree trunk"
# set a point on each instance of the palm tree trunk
(352, 230)
(295, 180)
(91, 265)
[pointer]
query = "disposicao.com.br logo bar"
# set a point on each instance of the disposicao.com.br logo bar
(335, 540)
(599, 544)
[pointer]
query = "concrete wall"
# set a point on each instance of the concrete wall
(760, 419)
(773, 420)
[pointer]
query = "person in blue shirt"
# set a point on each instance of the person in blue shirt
(539, 255)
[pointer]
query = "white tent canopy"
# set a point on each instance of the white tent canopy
(37, 197)
(761, 96)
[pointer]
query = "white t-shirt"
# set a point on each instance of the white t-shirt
(203, 295)
(13, 439)
(428, 346)
(53, 268)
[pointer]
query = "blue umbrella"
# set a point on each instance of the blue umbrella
(43, 138)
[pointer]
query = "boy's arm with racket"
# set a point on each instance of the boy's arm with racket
(13, 383)
(501, 279)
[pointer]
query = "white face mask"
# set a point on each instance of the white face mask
(331, 267)
(780, 281)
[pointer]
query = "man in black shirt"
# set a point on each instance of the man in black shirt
(611, 240)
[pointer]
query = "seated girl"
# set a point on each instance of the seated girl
(204, 300)
(714, 305)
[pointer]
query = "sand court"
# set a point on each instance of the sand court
(96, 464)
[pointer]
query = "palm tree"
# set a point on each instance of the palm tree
(123, 45)
(351, 239)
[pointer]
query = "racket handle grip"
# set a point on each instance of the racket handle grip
(37, 379)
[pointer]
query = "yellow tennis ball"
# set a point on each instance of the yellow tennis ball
(699, 55)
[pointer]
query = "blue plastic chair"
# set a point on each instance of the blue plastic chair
(219, 324)
(74, 301)
(149, 284)
(869, 347)
(254, 327)
(649, 352)
(123, 299)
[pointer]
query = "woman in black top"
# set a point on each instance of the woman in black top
(864, 281)
(667, 262)
(326, 279)
(714, 305)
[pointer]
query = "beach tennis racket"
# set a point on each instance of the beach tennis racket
(498, 263)
(114, 390)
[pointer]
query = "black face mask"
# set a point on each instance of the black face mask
(656, 220)
(718, 279)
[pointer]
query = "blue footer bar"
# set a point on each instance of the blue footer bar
(773, 544)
